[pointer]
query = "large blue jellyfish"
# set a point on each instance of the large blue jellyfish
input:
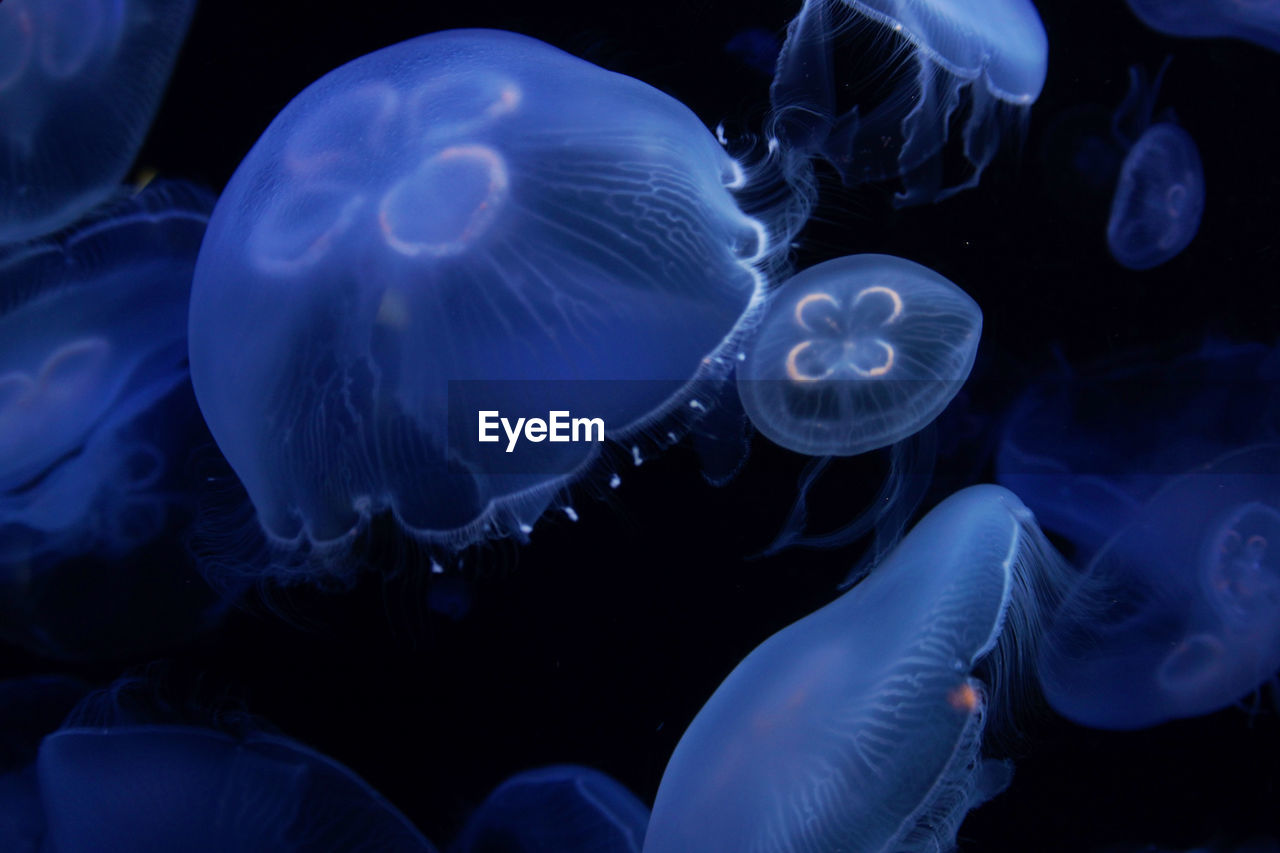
(860, 727)
(563, 808)
(858, 353)
(79, 83)
(1159, 195)
(1257, 21)
(986, 59)
(123, 774)
(1087, 449)
(97, 423)
(1179, 613)
(467, 225)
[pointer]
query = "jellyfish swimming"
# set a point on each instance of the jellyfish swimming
(1159, 195)
(566, 808)
(1087, 447)
(97, 422)
(858, 353)
(1178, 614)
(986, 59)
(466, 225)
(1256, 21)
(72, 70)
(124, 773)
(861, 726)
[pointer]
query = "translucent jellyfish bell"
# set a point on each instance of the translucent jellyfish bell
(564, 808)
(1257, 21)
(858, 353)
(989, 56)
(1179, 614)
(469, 213)
(71, 70)
(859, 728)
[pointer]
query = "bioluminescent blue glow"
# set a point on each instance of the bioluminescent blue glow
(987, 58)
(1257, 21)
(72, 70)
(860, 727)
(1179, 613)
(469, 206)
(565, 808)
(858, 353)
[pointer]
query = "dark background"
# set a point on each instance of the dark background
(596, 642)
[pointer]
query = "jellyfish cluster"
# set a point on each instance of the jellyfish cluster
(849, 428)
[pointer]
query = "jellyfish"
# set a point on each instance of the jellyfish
(858, 353)
(985, 59)
(1256, 21)
(72, 71)
(463, 232)
(1178, 614)
(1086, 449)
(97, 423)
(123, 773)
(565, 808)
(860, 727)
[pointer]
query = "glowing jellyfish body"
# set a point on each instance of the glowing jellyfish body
(122, 774)
(1178, 614)
(96, 423)
(859, 727)
(70, 71)
(858, 353)
(1159, 199)
(1257, 21)
(565, 808)
(988, 57)
(472, 213)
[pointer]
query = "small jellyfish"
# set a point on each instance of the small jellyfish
(1159, 195)
(1179, 614)
(124, 774)
(73, 71)
(97, 421)
(467, 225)
(983, 59)
(858, 353)
(860, 727)
(1256, 21)
(564, 808)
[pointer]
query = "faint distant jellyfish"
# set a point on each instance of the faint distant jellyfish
(858, 353)
(122, 776)
(468, 221)
(565, 808)
(97, 422)
(1159, 195)
(986, 59)
(860, 727)
(1179, 614)
(1257, 21)
(71, 70)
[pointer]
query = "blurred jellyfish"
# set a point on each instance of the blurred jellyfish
(985, 59)
(1179, 613)
(97, 421)
(1159, 196)
(468, 221)
(30, 708)
(72, 71)
(1257, 21)
(1087, 449)
(123, 776)
(564, 808)
(858, 353)
(860, 727)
